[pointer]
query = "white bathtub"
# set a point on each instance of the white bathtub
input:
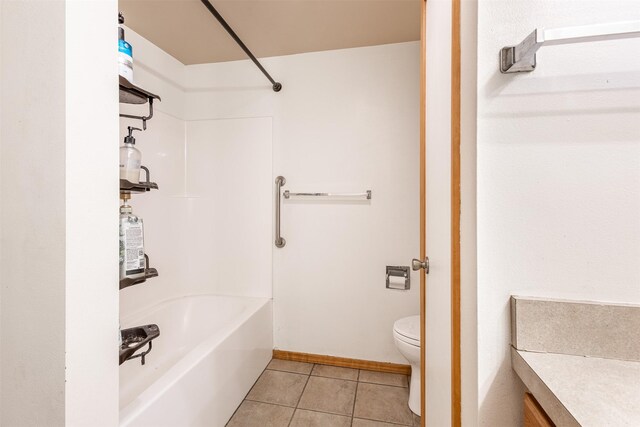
(210, 351)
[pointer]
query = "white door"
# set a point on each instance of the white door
(438, 214)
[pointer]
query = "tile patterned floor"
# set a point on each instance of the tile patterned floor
(294, 394)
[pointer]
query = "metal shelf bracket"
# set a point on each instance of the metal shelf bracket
(143, 118)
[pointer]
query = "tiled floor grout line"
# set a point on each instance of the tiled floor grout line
(336, 378)
(388, 385)
(299, 398)
(269, 403)
(309, 375)
(355, 397)
(388, 422)
(245, 396)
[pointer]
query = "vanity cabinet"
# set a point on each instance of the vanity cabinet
(534, 415)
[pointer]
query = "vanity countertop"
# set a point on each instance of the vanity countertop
(582, 391)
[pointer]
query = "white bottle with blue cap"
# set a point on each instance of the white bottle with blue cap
(125, 53)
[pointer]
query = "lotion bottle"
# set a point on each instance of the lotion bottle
(130, 158)
(132, 260)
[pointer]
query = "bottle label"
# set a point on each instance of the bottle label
(126, 49)
(133, 237)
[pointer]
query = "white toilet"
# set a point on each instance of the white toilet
(406, 334)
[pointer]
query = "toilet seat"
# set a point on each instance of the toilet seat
(407, 330)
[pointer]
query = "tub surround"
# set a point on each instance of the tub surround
(580, 360)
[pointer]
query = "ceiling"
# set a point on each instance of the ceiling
(186, 30)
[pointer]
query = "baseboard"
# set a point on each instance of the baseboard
(344, 362)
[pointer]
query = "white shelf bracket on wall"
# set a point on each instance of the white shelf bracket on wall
(522, 57)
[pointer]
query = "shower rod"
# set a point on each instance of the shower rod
(275, 85)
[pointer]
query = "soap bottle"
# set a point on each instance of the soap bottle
(130, 158)
(132, 260)
(125, 53)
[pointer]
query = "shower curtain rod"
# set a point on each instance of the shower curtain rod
(276, 86)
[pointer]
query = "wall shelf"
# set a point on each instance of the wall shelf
(137, 188)
(148, 274)
(133, 339)
(127, 186)
(132, 94)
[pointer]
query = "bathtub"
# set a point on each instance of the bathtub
(210, 351)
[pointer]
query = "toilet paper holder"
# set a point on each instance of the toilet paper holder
(398, 277)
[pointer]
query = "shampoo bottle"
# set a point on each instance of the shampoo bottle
(132, 261)
(130, 158)
(125, 53)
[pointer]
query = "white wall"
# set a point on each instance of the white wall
(229, 216)
(59, 188)
(91, 188)
(558, 176)
(33, 217)
(211, 217)
(346, 120)
(163, 211)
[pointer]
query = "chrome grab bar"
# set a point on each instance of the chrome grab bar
(280, 242)
(366, 194)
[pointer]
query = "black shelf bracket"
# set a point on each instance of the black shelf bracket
(127, 186)
(148, 274)
(133, 339)
(143, 118)
(276, 86)
(132, 94)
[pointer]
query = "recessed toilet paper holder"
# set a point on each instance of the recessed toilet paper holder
(398, 277)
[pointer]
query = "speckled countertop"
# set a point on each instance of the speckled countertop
(582, 391)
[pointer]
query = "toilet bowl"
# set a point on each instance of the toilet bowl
(406, 334)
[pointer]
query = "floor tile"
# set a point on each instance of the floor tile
(303, 418)
(383, 403)
(258, 414)
(289, 366)
(282, 388)
(385, 378)
(335, 372)
(416, 420)
(329, 395)
(357, 422)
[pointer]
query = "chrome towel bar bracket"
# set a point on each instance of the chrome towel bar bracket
(522, 57)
